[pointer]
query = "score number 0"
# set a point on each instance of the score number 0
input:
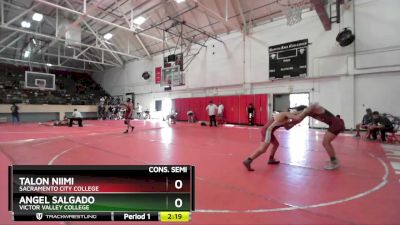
(178, 186)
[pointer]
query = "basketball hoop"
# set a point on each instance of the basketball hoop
(293, 13)
(171, 77)
(40, 81)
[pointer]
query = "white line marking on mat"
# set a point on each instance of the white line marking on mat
(360, 195)
(58, 155)
(21, 141)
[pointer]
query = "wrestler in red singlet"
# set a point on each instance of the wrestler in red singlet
(336, 125)
(128, 115)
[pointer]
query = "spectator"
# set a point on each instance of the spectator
(190, 115)
(14, 113)
(211, 109)
(138, 110)
(110, 112)
(76, 115)
(251, 114)
(100, 111)
(365, 123)
(382, 124)
(146, 114)
(116, 112)
(102, 101)
(221, 113)
(171, 118)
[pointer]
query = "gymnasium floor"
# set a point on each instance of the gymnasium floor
(365, 190)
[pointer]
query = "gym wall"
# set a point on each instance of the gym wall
(235, 108)
(240, 65)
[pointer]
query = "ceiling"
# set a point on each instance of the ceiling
(169, 26)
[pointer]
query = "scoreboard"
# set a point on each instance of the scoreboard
(288, 60)
(101, 193)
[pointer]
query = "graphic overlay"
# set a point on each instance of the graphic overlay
(288, 60)
(101, 193)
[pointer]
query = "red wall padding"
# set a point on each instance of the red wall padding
(235, 107)
(263, 108)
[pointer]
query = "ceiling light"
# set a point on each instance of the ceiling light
(26, 54)
(49, 64)
(139, 20)
(37, 17)
(25, 24)
(108, 36)
(179, 1)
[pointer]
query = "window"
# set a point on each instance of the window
(158, 105)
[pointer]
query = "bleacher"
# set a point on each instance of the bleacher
(75, 89)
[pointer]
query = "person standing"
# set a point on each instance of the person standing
(211, 109)
(101, 109)
(14, 113)
(221, 113)
(251, 114)
(128, 115)
(138, 110)
(76, 115)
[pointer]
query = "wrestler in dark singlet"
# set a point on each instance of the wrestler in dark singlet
(336, 125)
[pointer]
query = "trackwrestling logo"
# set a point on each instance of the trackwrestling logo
(39, 216)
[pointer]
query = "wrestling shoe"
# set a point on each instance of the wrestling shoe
(247, 164)
(332, 165)
(273, 161)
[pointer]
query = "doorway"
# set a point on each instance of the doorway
(282, 102)
(166, 107)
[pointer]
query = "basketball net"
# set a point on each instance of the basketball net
(293, 13)
(41, 86)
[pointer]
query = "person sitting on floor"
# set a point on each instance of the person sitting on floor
(190, 115)
(382, 124)
(76, 115)
(171, 118)
(56, 123)
(365, 123)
